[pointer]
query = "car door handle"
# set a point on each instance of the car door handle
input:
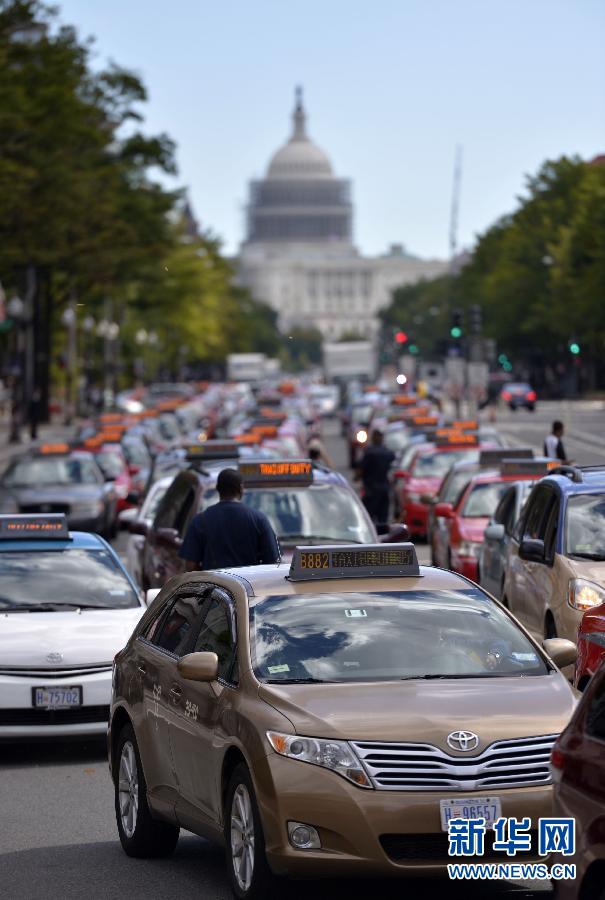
(142, 670)
(176, 694)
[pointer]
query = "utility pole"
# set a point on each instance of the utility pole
(455, 207)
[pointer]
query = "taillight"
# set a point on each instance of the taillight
(557, 764)
(506, 395)
(399, 473)
(531, 396)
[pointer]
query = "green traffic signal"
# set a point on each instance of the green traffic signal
(574, 348)
(413, 349)
(456, 332)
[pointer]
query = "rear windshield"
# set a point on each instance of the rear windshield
(429, 465)
(49, 472)
(387, 636)
(483, 499)
(454, 486)
(63, 578)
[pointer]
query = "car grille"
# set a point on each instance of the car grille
(434, 847)
(44, 508)
(411, 767)
(54, 672)
(77, 715)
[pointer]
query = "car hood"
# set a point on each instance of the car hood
(427, 711)
(86, 638)
(591, 570)
(59, 494)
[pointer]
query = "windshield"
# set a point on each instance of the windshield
(110, 464)
(41, 472)
(585, 531)
(394, 635)
(318, 514)
(483, 499)
(136, 453)
(396, 439)
(436, 465)
(75, 577)
(361, 413)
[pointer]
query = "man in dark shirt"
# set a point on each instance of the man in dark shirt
(229, 533)
(374, 472)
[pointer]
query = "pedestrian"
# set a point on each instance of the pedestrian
(318, 452)
(553, 445)
(374, 473)
(229, 533)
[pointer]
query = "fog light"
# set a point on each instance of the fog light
(303, 837)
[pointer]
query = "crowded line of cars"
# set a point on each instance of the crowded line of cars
(329, 714)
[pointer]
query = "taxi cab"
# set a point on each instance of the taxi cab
(328, 717)
(67, 605)
(555, 565)
(302, 502)
(476, 504)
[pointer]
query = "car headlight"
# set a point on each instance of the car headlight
(334, 755)
(361, 436)
(585, 594)
(469, 548)
(92, 509)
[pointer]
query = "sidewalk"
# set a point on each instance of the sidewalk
(52, 433)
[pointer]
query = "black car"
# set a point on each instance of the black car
(56, 479)
(519, 394)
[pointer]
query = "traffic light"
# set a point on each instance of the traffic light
(456, 327)
(401, 337)
(476, 317)
(413, 349)
(574, 348)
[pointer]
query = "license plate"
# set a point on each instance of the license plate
(488, 808)
(57, 697)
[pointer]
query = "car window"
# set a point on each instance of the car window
(172, 502)
(595, 717)
(585, 526)
(178, 626)
(550, 530)
(483, 499)
(537, 508)
(453, 486)
(504, 510)
(52, 471)
(216, 634)
(430, 465)
(182, 517)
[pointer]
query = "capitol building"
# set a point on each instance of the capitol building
(298, 255)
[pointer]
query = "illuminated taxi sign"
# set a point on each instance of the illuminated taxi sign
(38, 527)
(528, 466)
(111, 418)
(354, 561)
(403, 400)
(464, 425)
(213, 449)
(447, 437)
(247, 439)
(50, 449)
(425, 420)
(497, 455)
(277, 471)
(265, 430)
(274, 415)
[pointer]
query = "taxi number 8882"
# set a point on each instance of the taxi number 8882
(315, 560)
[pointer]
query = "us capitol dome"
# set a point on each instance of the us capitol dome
(298, 254)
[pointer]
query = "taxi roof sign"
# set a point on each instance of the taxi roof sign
(496, 455)
(528, 466)
(50, 449)
(213, 449)
(448, 437)
(354, 561)
(34, 527)
(277, 471)
(403, 400)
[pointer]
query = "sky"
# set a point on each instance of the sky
(391, 88)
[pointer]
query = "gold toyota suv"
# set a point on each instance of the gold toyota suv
(330, 716)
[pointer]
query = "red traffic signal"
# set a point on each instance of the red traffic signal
(401, 337)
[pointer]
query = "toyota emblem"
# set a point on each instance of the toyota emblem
(462, 740)
(54, 657)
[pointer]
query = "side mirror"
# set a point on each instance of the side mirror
(126, 517)
(444, 510)
(198, 666)
(494, 533)
(393, 534)
(168, 537)
(133, 498)
(150, 595)
(562, 652)
(137, 526)
(532, 550)
(134, 470)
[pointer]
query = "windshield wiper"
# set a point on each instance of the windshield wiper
(318, 537)
(298, 681)
(39, 607)
(457, 675)
(598, 557)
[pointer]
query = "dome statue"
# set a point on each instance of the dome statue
(300, 157)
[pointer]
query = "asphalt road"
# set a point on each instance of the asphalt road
(58, 837)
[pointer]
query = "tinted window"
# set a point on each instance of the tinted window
(429, 465)
(216, 634)
(178, 626)
(505, 510)
(595, 717)
(483, 499)
(585, 526)
(172, 503)
(78, 577)
(395, 635)
(535, 518)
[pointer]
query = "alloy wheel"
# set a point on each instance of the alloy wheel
(242, 837)
(128, 789)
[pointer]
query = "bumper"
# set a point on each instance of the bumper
(466, 565)
(19, 719)
(365, 831)
(416, 517)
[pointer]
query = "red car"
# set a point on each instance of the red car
(114, 466)
(469, 518)
(591, 645)
(418, 485)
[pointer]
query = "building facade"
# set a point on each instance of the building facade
(299, 255)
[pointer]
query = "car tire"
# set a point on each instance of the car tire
(249, 873)
(141, 835)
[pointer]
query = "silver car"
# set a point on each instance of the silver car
(492, 556)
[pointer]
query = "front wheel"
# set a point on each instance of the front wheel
(249, 872)
(140, 835)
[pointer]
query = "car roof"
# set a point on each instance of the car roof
(78, 540)
(268, 580)
(592, 480)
